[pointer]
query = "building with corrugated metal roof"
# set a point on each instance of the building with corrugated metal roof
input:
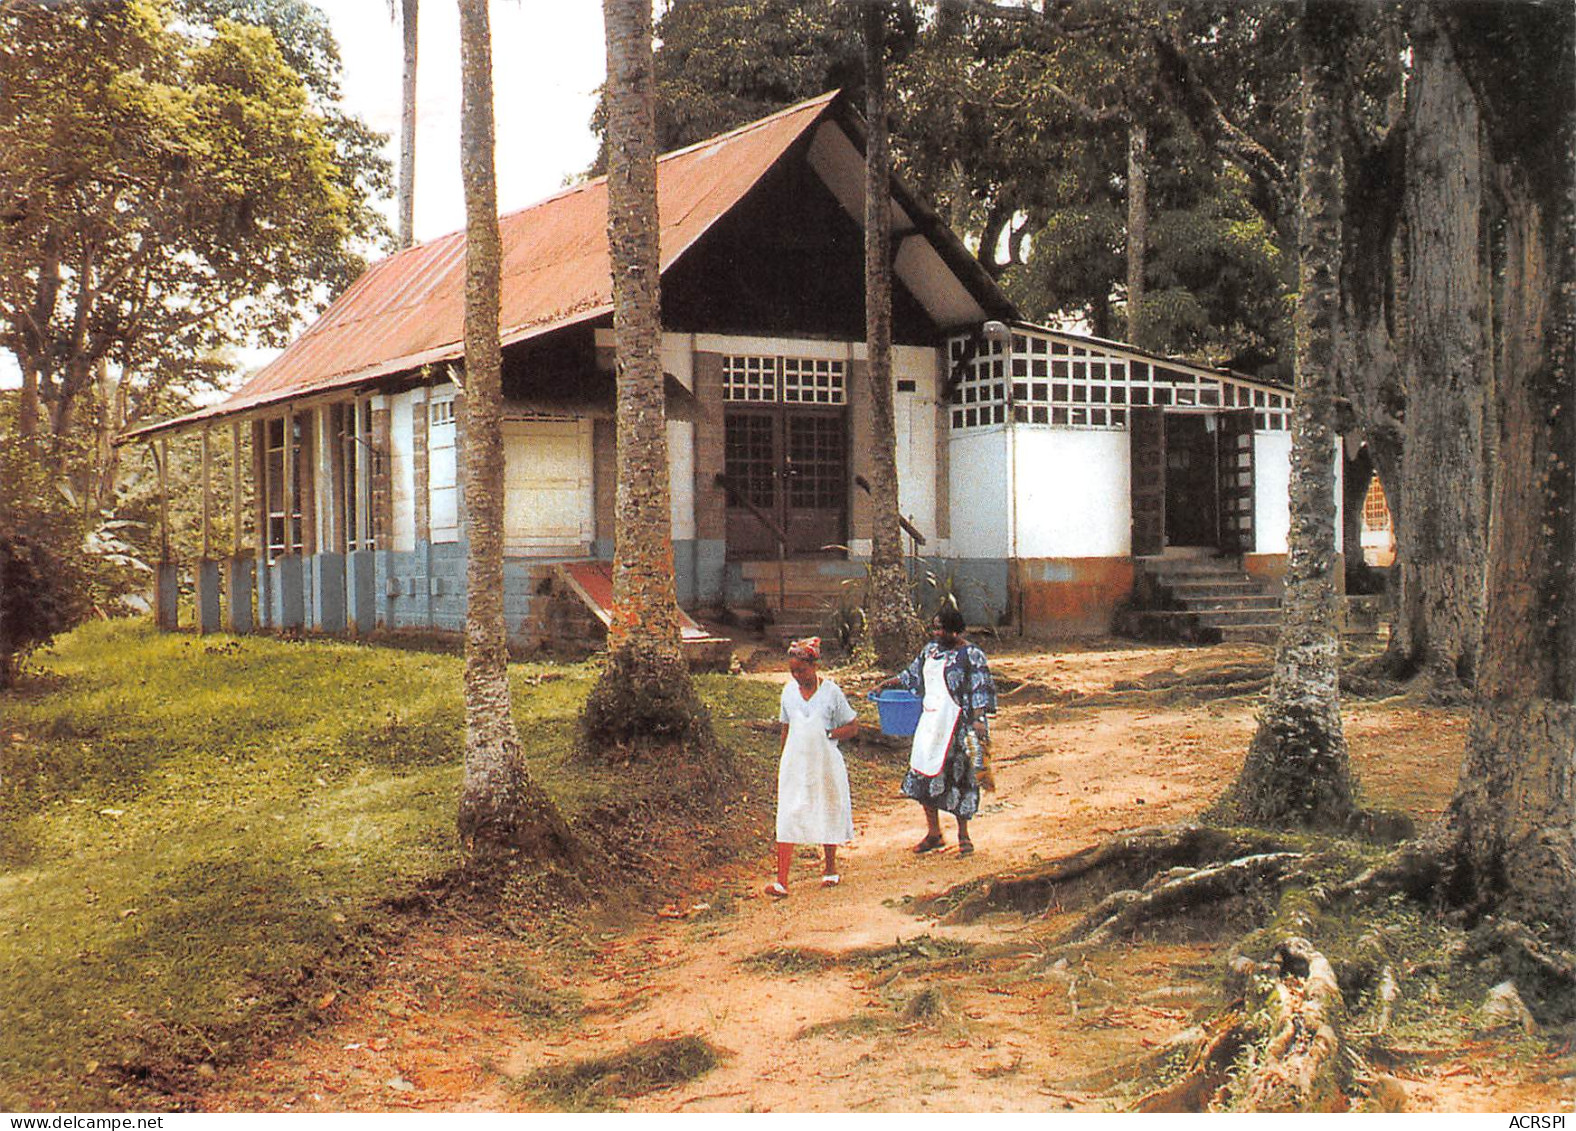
(1035, 466)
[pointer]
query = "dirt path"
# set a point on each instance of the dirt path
(842, 999)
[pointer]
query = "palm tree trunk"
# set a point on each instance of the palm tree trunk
(1297, 772)
(501, 810)
(1137, 227)
(894, 631)
(644, 696)
(409, 21)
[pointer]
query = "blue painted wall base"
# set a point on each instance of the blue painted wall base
(286, 595)
(326, 612)
(238, 594)
(207, 596)
(166, 589)
(361, 590)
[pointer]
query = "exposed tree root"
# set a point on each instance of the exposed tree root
(1544, 971)
(1420, 869)
(1117, 863)
(1361, 676)
(1207, 1072)
(1282, 1044)
(1179, 890)
(1303, 1063)
(1302, 1068)
(1388, 994)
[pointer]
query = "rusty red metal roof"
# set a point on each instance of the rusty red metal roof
(409, 310)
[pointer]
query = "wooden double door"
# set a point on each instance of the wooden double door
(785, 470)
(1192, 480)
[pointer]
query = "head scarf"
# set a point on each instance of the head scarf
(807, 649)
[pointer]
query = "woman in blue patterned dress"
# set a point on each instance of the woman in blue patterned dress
(953, 678)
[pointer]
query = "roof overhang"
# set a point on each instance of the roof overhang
(556, 273)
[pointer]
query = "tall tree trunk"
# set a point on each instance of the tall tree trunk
(1297, 772)
(30, 348)
(502, 810)
(894, 630)
(644, 694)
(1137, 228)
(27, 408)
(409, 22)
(1440, 560)
(1512, 822)
(1371, 334)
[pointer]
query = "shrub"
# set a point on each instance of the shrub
(45, 580)
(36, 601)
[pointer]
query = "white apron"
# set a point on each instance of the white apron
(937, 721)
(813, 802)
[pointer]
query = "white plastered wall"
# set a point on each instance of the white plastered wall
(979, 491)
(1271, 494)
(402, 467)
(681, 479)
(914, 418)
(1074, 493)
(678, 358)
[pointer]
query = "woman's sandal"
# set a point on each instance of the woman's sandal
(965, 848)
(831, 880)
(776, 890)
(929, 844)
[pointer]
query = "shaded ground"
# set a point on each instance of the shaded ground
(844, 999)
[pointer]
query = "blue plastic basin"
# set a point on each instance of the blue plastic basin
(900, 711)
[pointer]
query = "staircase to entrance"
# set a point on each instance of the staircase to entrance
(1200, 599)
(798, 596)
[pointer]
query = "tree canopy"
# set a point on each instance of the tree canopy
(1016, 123)
(173, 186)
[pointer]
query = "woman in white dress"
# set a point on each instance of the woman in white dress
(813, 805)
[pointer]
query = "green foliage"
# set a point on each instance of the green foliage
(34, 605)
(200, 837)
(46, 582)
(723, 63)
(101, 547)
(1018, 129)
(173, 186)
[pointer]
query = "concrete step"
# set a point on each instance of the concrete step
(1250, 633)
(1222, 617)
(1219, 601)
(803, 586)
(1168, 567)
(805, 602)
(784, 631)
(834, 568)
(1211, 587)
(1262, 601)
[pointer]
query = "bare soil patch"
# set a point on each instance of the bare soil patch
(717, 998)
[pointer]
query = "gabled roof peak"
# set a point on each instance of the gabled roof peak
(601, 180)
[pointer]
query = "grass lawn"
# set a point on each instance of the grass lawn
(200, 839)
